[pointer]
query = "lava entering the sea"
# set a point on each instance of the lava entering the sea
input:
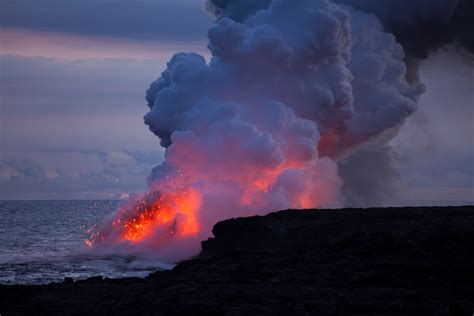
(292, 88)
(155, 214)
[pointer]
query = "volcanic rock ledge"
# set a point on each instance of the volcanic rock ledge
(396, 261)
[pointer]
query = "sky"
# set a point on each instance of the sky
(72, 88)
(73, 76)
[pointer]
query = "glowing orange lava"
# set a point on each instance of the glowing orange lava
(155, 218)
(172, 214)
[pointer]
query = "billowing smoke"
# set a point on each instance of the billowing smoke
(293, 90)
(421, 27)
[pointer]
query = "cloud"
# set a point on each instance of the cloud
(162, 20)
(72, 175)
(83, 105)
(74, 129)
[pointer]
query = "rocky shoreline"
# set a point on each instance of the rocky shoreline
(391, 261)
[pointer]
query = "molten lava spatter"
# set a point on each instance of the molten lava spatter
(154, 215)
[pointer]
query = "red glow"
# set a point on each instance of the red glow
(328, 142)
(184, 205)
(172, 213)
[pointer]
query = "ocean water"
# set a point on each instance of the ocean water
(42, 242)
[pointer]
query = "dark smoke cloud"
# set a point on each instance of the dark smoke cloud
(236, 10)
(422, 26)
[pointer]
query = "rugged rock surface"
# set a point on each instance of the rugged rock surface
(398, 261)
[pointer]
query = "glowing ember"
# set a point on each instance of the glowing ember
(171, 214)
(155, 218)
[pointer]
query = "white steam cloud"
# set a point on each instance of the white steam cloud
(296, 86)
(293, 91)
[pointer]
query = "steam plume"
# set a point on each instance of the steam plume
(293, 89)
(421, 27)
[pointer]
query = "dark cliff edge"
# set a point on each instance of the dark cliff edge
(393, 261)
